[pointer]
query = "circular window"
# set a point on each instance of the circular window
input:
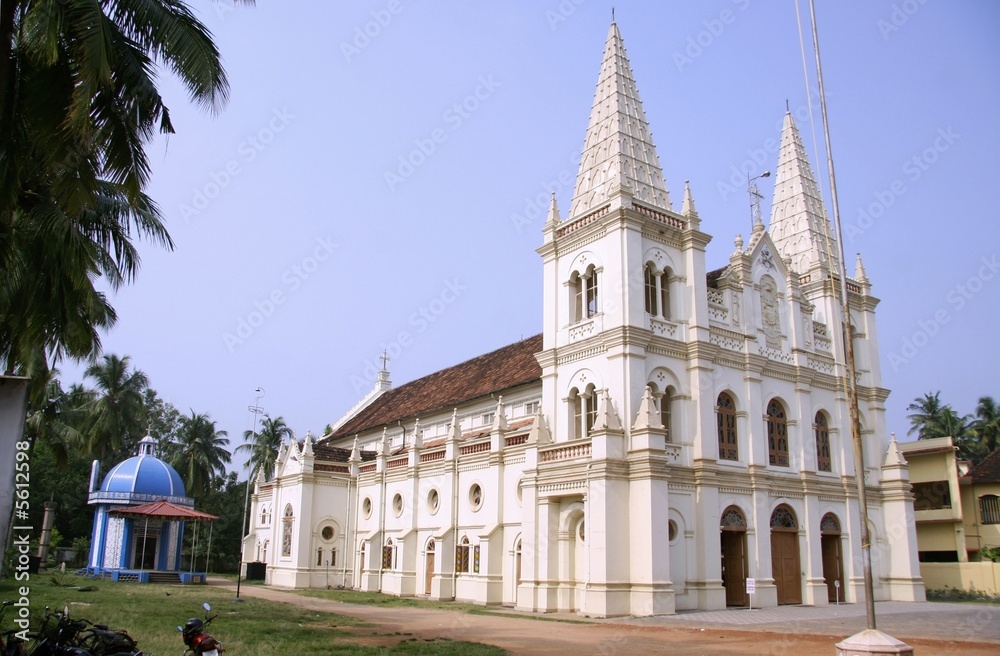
(672, 530)
(397, 504)
(433, 501)
(327, 533)
(476, 496)
(366, 507)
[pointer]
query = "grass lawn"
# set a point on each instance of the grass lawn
(253, 627)
(380, 599)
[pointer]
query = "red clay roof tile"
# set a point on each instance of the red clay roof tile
(492, 373)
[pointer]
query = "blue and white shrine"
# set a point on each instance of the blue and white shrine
(138, 547)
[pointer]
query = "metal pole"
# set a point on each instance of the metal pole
(852, 383)
(255, 409)
(208, 554)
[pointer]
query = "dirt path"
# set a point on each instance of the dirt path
(524, 634)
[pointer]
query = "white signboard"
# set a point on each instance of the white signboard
(751, 586)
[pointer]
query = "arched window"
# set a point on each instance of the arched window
(783, 517)
(733, 519)
(585, 294)
(388, 554)
(666, 401)
(286, 531)
(777, 434)
(463, 554)
(263, 516)
(829, 525)
(583, 411)
(822, 428)
(657, 291)
(989, 506)
(652, 296)
(263, 556)
(725, 413)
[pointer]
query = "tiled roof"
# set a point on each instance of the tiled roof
(329, 453)
(712, 277)
(988, 469)
(500, 370)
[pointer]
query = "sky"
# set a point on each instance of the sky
(379, 179)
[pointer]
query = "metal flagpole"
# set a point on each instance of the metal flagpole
(256, 410)
(852, 383)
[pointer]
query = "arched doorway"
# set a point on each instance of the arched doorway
(734, 556)
(429, 567)
(785, 555)
(833, 563)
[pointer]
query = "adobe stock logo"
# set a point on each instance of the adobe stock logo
(957, 298)
(292, 279)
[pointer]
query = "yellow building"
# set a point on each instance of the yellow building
(957, 512)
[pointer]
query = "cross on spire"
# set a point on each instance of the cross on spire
(385, 359)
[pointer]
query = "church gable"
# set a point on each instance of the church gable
(492, 373)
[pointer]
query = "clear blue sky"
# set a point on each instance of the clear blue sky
(282, 206)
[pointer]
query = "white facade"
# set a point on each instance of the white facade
(671, 433)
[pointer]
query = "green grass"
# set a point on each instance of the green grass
(253, 627)
(380, 599)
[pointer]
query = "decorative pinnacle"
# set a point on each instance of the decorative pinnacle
(687, 207)
(859, 271)
(554, 211)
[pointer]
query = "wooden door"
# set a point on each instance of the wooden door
(833, 569)
(734, 567)
(429, 575)
(785, 566)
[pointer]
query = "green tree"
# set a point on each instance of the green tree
(987, 424)
(200, 452)
(57, 417)
(117, 417)
(263, 446)
(164, 422)
(926, 411)
(78, 105)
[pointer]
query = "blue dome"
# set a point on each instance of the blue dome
(144, 475)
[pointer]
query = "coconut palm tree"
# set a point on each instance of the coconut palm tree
(116, 416)
(987, 424)
(200, 452)
(78, 105)
(58, 417)
(263, 446)
(926, 411)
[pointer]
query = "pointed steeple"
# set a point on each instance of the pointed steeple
(618, 152)
(687, 208)
(859, 271)
(647, 416)
(893, 456)
(607, 418)
(539, 433)
(553, 211)
(799, 226)
(499, 417)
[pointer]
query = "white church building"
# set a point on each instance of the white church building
(672, 432)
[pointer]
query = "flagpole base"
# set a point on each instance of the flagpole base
(871, 641)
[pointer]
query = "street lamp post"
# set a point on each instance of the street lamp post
(257, 411)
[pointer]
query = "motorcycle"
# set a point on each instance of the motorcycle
(59, 635)
(197, 641)
(10, 643)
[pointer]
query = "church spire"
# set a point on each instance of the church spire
(618, 152)
(799, 226)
